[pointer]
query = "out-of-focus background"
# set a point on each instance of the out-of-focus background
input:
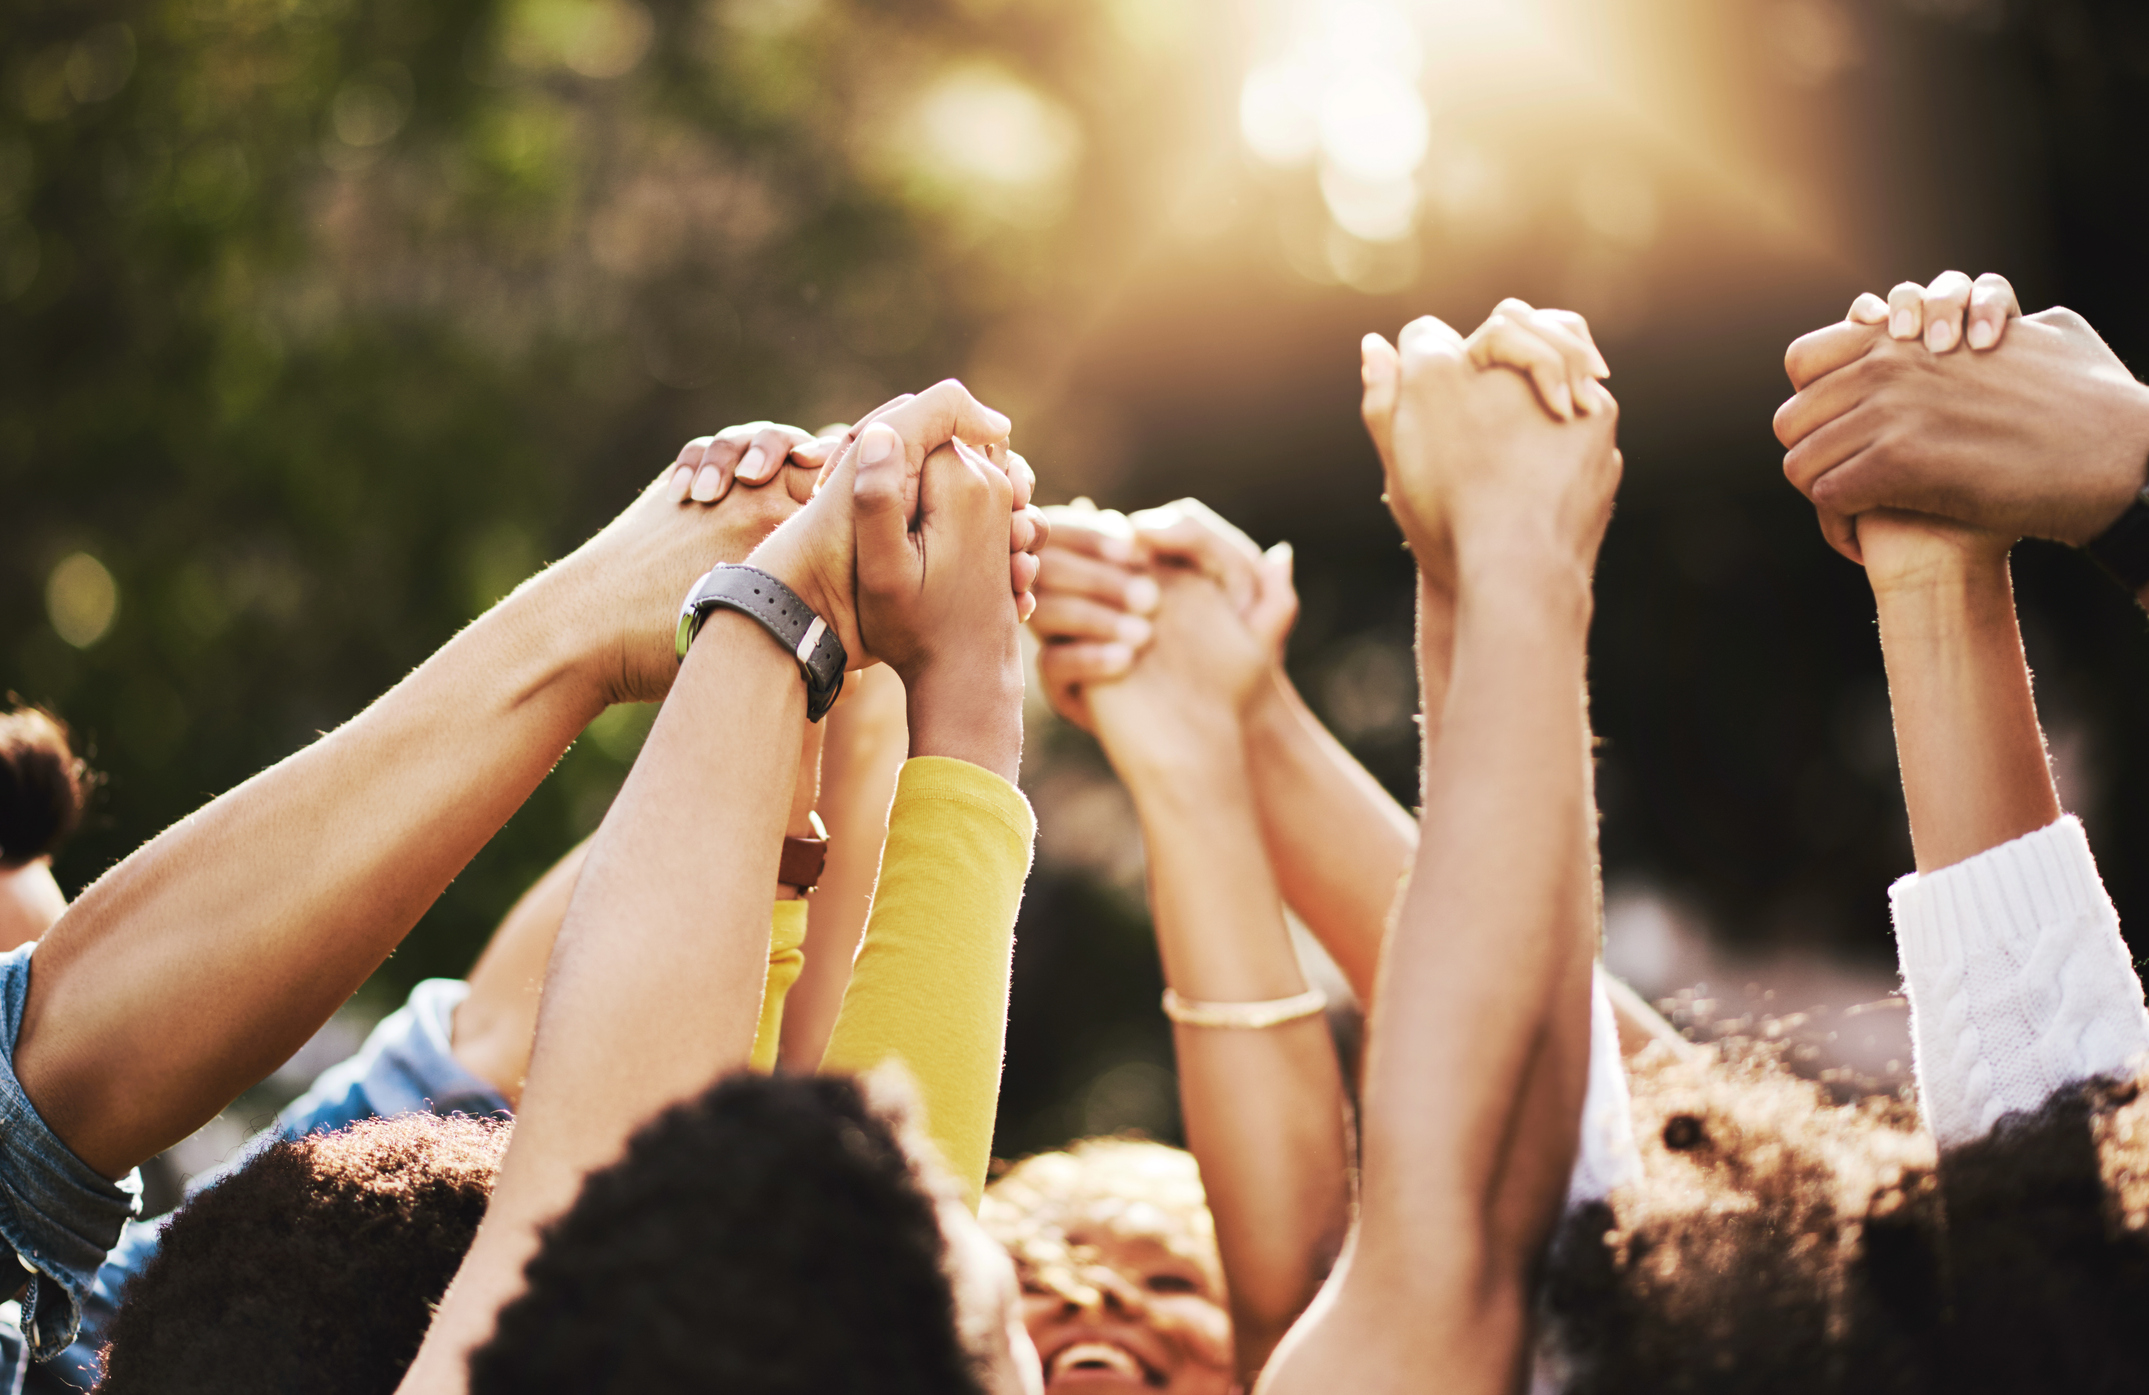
(323, 322)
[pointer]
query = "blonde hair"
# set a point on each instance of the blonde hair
(1046, 1204)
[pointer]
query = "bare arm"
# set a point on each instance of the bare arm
(862, 756)
(1264, 1108)
(655, 984)
(1478, 1051)
(495, 1024)
(206, 958)
(1973, 759)
(654, 990)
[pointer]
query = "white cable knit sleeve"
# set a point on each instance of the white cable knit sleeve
(2018, 980)
(1607, 1157)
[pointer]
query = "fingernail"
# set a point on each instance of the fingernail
(1563, 400)
(1281, 552)
(1134, 631)
(1940, 335)
(878, 442)
(1981, 334)
(1142, 595)
(682, 481)
(750, 464)
(1904, 325)
(707, 484)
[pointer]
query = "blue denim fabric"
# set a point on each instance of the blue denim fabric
(59, 1214)
(406, 1066)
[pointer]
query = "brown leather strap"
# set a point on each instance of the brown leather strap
(803, 858)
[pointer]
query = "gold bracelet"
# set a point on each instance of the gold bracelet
(1251, 1016)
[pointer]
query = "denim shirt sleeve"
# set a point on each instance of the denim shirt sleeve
(59, 1214)
(407, 1066)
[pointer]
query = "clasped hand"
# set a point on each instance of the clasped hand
(1186, 608)
(1945, 400)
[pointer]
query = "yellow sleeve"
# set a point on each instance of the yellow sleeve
(787, 933)
(930, 985)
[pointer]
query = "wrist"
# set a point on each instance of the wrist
(1161, 759)
(1271, 717)
(968, 708)
(1523, 564)
(1936, 569)
(574, 647)
(784, 557)
(2126, 468)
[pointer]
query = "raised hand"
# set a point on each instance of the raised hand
(751, 453)
(932, 596)
(1949, 311)
(1099, 585)
(1472, 460)
(1205, 667)
(625, 584)
(815, 552)
(2044, 435)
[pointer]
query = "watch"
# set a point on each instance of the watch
(751, 591)
(2123, 549)
(804, 858)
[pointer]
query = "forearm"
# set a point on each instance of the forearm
(1491, 947)
(655, 985)
(866, 742)
(201, 962)
(1339, 843)
(1972, 755)
(495, 1024)
(1264, 1109)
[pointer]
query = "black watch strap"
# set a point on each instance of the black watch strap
(751, 591)
(2123, 549)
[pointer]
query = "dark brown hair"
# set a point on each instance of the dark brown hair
(1780, 1241)
(314, 1267)
(43, 785)
(772, 1236)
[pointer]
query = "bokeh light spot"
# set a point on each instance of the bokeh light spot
(982, 126)
(81, 599)
(368, 110)
(1373, 124)
(596, 38)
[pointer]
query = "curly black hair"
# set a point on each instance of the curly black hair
(771, 1237)
(43, 785)
(314, 1267)
(1781, 1242)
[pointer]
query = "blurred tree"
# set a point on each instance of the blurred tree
(323, 322)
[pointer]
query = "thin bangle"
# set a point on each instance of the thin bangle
(1248, 1016)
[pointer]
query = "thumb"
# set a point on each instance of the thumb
(1380, 370)
(877, 504)
(1275, 607)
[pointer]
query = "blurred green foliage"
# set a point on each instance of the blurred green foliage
(323, 322)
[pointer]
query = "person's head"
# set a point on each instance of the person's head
(42, 788)
(777, 1235)
(1122, 1286)
(316, 1266)
(1779, 1241)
